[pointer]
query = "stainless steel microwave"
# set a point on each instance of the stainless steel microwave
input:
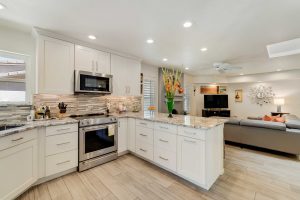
(92, 82)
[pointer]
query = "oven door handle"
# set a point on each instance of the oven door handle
(99, 127)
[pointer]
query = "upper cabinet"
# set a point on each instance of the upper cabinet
(92, 60)
(126, 76)
(55, 66)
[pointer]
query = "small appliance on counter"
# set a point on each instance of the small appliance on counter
(62, 109)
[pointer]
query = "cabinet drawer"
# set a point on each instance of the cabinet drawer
(165, 158)
(165, 140)
(144, 149)
(144, 134)
(61, 162)
(60, 129)
(144, 123)
(192, 133)
(61, 143)
(18, 138)
(165, 127)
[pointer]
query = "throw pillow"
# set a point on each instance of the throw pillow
(267, 118)
(280, 119)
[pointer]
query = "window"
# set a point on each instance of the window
(12, 78)
(149, 93)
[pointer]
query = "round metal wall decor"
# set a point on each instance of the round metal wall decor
(261, 94)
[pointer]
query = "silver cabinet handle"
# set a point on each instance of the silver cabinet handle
(143, 123)
(190, 141)
(143, 135)
(166, 159)
(63, 143)
(63, 129)
(63, 162)
(191, 133)
(163, 127)
(163, 140)
(143, 150)
(97, 66)
(14, 140)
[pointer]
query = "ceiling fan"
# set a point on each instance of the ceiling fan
(223, 67)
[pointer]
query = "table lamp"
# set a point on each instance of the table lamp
(279, 102)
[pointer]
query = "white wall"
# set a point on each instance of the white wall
(288, 89)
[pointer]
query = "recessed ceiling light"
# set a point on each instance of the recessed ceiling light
(165, 59)
(259, 81)
(186, 68)
(2, 6)
(278, 70)
(241, 74)
(92, 37)
(150, 41)
(187, 24)
(203, 49)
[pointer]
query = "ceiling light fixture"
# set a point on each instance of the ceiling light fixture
(92, 37)
(187, 24)
(2, 6)
(241, 74)
(278, 70)
(165, 59)
(203, 49)
(150, 41)
(186, 68)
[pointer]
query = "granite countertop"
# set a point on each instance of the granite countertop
(180, 120)
(33, 124)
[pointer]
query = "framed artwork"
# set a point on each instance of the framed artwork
(238, 95)
(222, 89)
(209, 89)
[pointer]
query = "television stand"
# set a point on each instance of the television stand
(215, 112)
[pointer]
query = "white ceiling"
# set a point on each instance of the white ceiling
(234, 31)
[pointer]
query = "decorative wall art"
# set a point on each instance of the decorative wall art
(238, 95)
(213, 89)
(261, 94)
(222, 89)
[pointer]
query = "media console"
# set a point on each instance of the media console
(219, 113)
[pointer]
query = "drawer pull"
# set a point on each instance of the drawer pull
(63, 129)
(163, 127)
(17, 139)
(143, 123)
(163, 140)
(63, 143)
(63, 162)
(143, 135)
(190, 141)
(143, 150)
(190, 133)
(166, 159)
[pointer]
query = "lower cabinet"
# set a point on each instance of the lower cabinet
(144, 139)
(18, 167)
(191, 159)
(122, 135)
(131, 134)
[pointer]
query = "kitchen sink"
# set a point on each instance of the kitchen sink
(6, 127)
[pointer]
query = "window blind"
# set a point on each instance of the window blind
(149, 93)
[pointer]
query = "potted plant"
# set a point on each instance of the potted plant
(171, 79)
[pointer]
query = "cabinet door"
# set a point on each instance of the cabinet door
(131, 134)
(85, 58)
(18, 169)
(102, 62)
(126, 76)
(190, 159)
(55, 66)
(122, 135)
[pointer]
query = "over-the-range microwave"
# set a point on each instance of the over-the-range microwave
(92, 82)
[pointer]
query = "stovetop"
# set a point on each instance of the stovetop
(94, 119)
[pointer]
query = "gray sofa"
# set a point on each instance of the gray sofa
(284, 137)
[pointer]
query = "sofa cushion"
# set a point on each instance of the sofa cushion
(293, 123)
(290, 117)
(289, 130)
(263, 124)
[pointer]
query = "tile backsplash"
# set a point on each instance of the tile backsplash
(85, 103)
(14, 112)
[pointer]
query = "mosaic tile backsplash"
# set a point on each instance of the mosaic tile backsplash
(86, 103)
(14, 112)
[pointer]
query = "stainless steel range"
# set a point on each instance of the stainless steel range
(98, 140)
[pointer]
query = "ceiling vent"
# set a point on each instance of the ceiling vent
(286, 48)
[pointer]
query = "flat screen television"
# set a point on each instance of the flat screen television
(215, 101)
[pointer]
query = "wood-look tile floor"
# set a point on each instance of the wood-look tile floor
(248, 175)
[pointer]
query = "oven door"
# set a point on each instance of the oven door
(97, 140)
(92, 82)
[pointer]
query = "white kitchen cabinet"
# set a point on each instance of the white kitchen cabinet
(55, 66)
(191, 159)
(87, 59)
(131, 134)
(18, 167)
(122, 135)
(126, 76)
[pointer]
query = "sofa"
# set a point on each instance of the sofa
(283, 137)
